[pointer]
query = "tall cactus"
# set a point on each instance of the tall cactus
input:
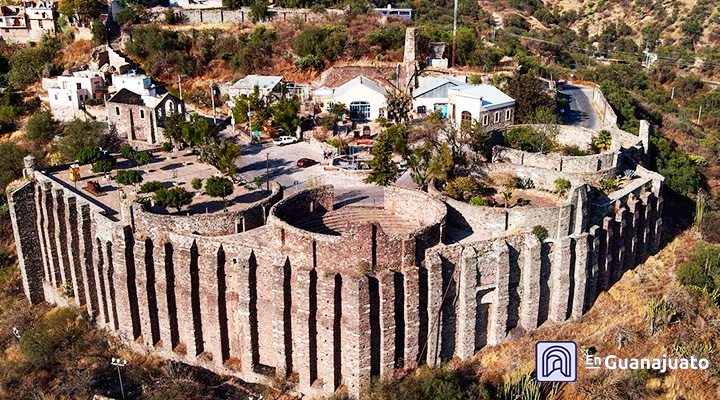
(700, 207)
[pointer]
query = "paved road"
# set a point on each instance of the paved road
(579, 110)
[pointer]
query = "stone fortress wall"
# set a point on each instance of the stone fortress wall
(242, 15)
(257, 292)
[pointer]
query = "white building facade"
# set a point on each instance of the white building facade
(484, 104)
(363, 97)
(74, 90)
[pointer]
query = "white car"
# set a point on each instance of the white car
(283, 140)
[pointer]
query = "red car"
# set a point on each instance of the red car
(306, 162)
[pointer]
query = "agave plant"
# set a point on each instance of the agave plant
(629, 173)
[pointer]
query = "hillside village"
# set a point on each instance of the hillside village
(361, 200)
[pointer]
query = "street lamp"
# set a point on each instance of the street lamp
(118, 362)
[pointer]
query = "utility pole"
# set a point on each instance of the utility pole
(699, 114)
(212, 99)
(180, 85)
(672, 94)
(267, 171)
(454, 46)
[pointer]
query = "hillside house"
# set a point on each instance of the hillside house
(363, 97)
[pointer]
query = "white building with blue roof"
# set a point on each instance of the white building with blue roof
(485, 104)
(434, 95)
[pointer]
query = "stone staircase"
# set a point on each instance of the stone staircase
(337, 221)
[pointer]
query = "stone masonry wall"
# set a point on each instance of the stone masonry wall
(331, 311)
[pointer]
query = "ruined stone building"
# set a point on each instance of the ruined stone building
(330, 294)
(140, 118)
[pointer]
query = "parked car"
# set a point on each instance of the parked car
(283, 140)
(306, 162)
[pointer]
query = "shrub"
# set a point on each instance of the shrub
(167, 147)
(56, 336)
(459, 187)
(128, 177)
(523, 183)
(573, 150)
(217, 186)
(609, 185)
(196, 183)
(603, 140)
(540, 232)
(150, 187)
(42, 126)
(477, 201)
(522, 202)
(562, 186)
(691, 274)
(103, 166)
(176, 198)
(88, 155)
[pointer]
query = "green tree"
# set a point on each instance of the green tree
(384, 170)
(85, 9)
(326, 43)
(398, 106)
(143, 158)
(88, 155)
(42, 126)
(103, 166)
(286, 115)
(217, 186)
(174, 124)
(28, 63)
(259, 11)
(227, 154)
(150, 187)
(128, 177)
(11, 163)
(79, 133)
(419, 162)
(252, 108)
(198, 131)
(99, 32)
(176, 198)
(196, 183)
(529, 94)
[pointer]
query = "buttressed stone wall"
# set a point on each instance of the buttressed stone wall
(330, 297)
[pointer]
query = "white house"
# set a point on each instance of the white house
(134, 82)
(72, 91)
(364, 98)
(481, 103)
(267, 85)
(434, 95)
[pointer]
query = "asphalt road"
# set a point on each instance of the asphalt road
(579, 111)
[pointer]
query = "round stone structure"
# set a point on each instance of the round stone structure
(331, 294)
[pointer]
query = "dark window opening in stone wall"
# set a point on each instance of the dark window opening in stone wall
(195, 299)
(151, 292)
(374, 292)
(171, 300)
(222, 306)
